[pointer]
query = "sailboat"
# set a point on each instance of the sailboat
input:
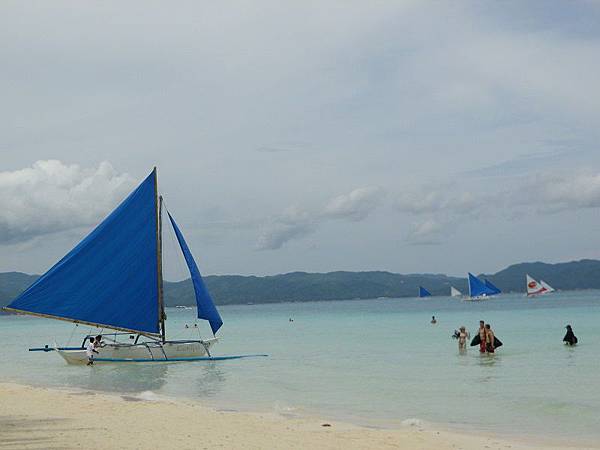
(479, 290)
(113, 280)
(547, 287)
(534, 288)
(493, 288)
(424, 292)
(455, 292)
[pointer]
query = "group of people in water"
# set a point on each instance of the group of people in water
(485, 338)
(488, 342)
(91, 348)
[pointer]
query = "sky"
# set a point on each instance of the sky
(408, 136)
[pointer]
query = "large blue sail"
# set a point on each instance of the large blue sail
(493, 288)
(206, 306)
(424, 292)
(110, 278)
(477, 288)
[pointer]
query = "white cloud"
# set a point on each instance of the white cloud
(445, 199)
(296, 223)
(292, 224)
(280, 232)
(551, 193)
(438, 210)
(441, 209)
(427, 232)
(51, 196)
(356, 205)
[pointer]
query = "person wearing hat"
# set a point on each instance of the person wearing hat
(570, 338)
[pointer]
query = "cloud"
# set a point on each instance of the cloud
(296, 223)
(280, 233)
(51, 197)
(427, 232)
(292, 224)
(552, 193)
(356, 205)
(443, 199)
(440, 210)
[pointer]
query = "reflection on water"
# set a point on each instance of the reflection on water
(489, 360)
(210, 379)
(120, 377)
(205, 380)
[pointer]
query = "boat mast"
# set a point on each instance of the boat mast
(161, 303)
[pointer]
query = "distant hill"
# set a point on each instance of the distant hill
(583, 274)
(12, 284)
(303, 287)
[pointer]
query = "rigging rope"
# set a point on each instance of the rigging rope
(71, 337)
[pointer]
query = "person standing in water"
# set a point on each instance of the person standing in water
(89, 351)
(489, 339)
(482, 336)
(570, 338)
(463, 335)
(433, 321)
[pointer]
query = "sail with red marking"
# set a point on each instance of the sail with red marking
(533, 287)
(547, 287)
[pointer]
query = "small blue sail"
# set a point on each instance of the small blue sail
(110, 278)
(477, 287)
(424, 292)
(489, 284)
(206, 306)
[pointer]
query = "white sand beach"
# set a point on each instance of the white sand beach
(41, 418)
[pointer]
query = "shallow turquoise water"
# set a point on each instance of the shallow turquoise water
(375, 362)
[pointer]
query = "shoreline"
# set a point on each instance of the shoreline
(38, 417)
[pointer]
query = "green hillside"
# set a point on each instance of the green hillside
(302, 286)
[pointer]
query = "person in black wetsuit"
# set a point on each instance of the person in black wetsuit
(570, 338)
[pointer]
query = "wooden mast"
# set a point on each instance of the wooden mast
(161, 303)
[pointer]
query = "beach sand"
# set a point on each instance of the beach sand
(40, 418)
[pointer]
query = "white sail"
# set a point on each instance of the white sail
(547, 287)
(533, 287)
(455, 292)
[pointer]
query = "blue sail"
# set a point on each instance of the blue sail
(477, 287)
(424, 292)
(494, 289)
(206, 306)
(110, 278)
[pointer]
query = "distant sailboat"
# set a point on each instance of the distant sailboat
(455, 292)
(547, 287)
(493, 288)
(113, 279)
(424, 292)
(534, 288)
(478, 290)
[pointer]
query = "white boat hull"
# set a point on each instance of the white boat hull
(479, 298)
(143, 352)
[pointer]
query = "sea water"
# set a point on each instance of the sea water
(372, 362)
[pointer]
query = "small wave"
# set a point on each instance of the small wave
(412, 422)
(148, 396)
(286, 410)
